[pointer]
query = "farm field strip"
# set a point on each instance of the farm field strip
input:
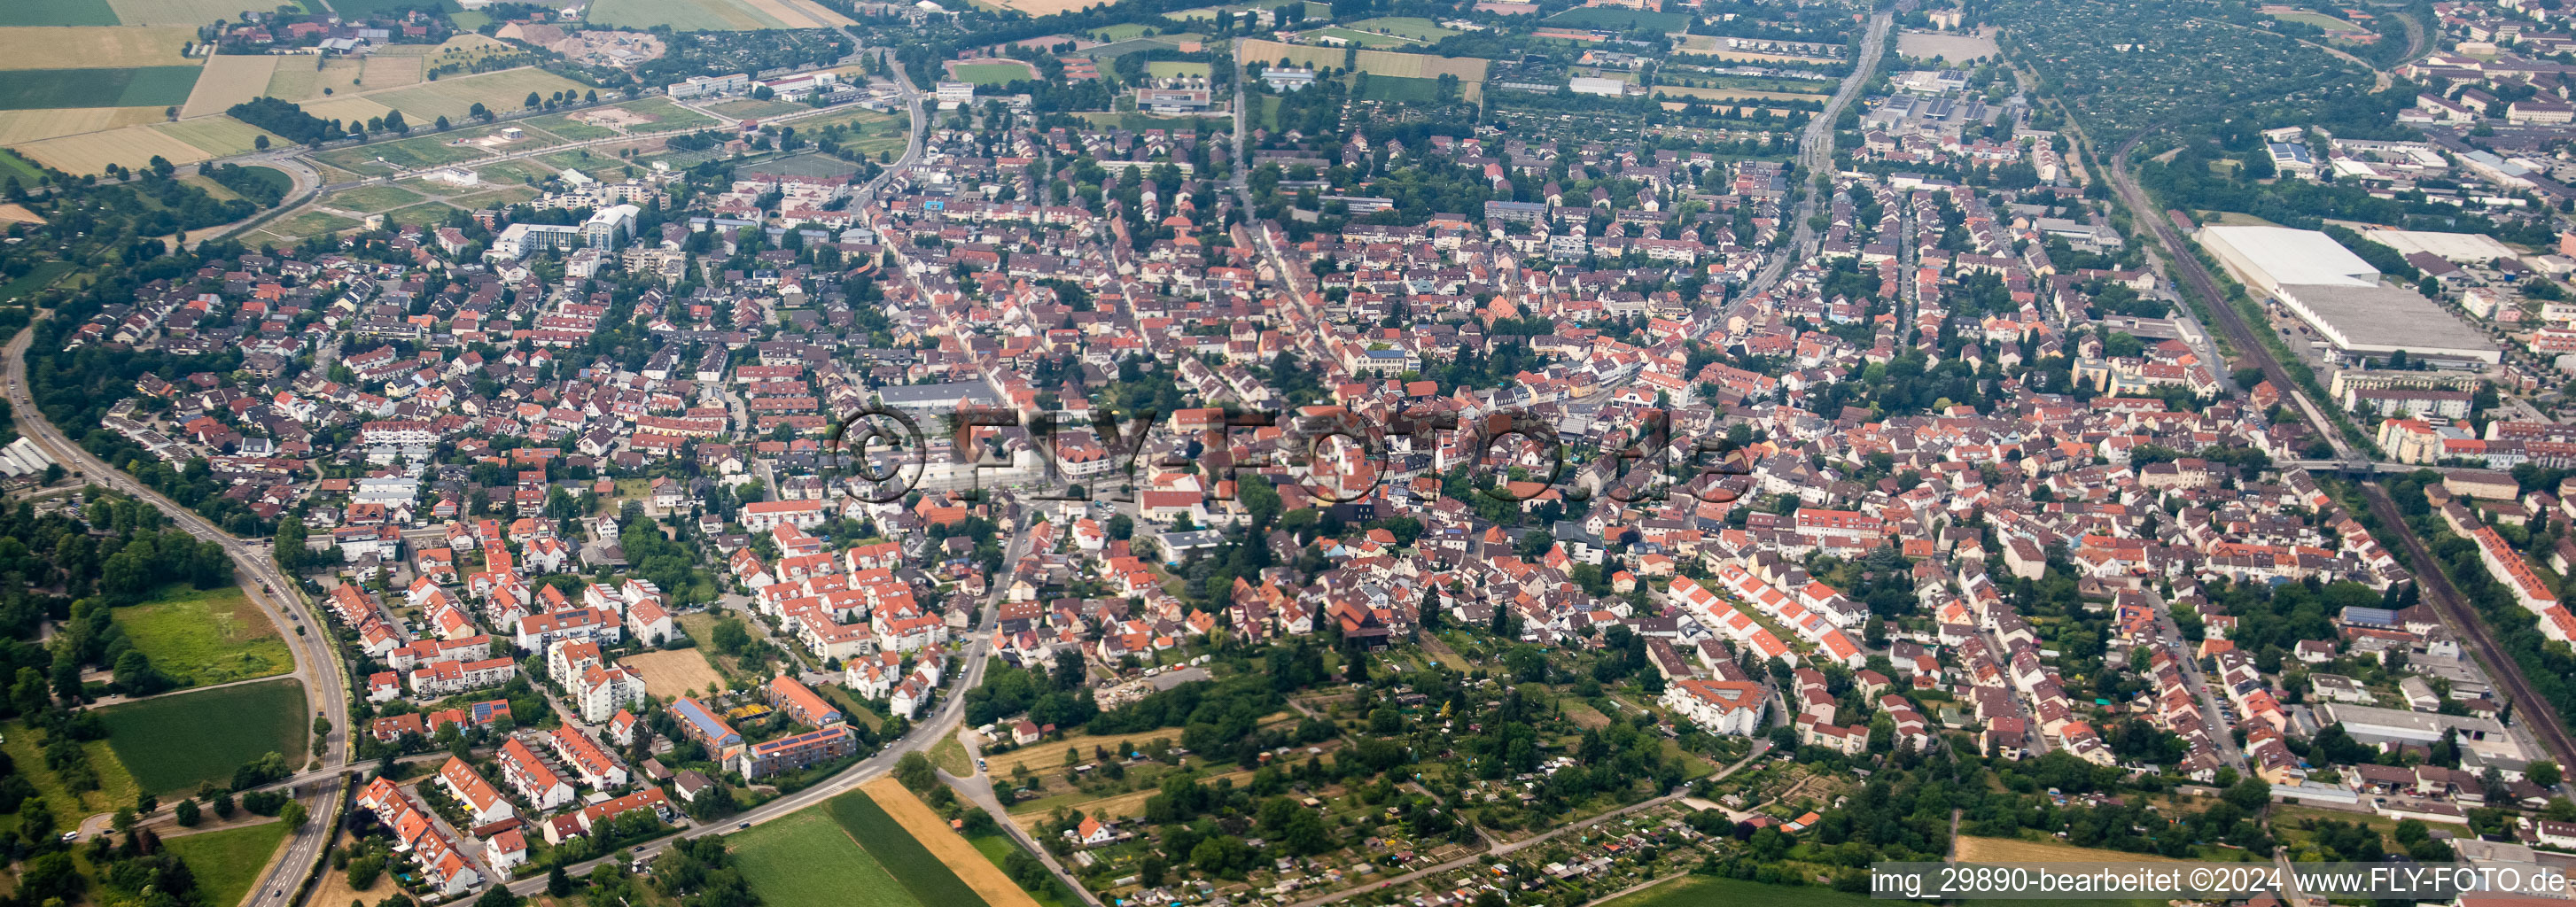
(130, 147)
(804, 859)
(58, 13)
(932, 834)
(21, 126)
(87, 47)
(145, 86)
(189, 13)
(229, 80)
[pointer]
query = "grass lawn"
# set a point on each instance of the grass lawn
(563, 126)
(227, 863)
(950, 756)
(807, 860)
(994, 73)
(995, 847)
(753, 110)
(13, 165)
(58, 12)
(144, 86)
(225, 728)
(425, 214)
(1167, 69)
(206, 636)
(669, 117)
(1613, 17)
(1369, 40)
(902, 856)
(41, 276)
(372, 198)
(1408, 26)
(116, 787)
(411, 153)
(2320, 20)
(1398, 88)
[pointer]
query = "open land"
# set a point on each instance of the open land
(1951, 46)
(230, 80)
(953, 853)
(190, 13)
(57, 12)
(115, 789)
(225, 728)
(135, 146)
(1469, 70)
(673, 673)
(992, 72)
(1170, 69)
(145, 86)
(21, 126)
(807, 860)
(93, 48)
(2014, 850)
(206, 636)
(228, 862)
(2320, 20)
(1618, 18)
(1408, 26)
(714, 15)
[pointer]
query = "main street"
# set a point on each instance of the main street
(1816, 155)
(317, 661)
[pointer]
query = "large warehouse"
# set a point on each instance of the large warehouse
(2343, 298)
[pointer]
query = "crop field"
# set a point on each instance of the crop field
(206, 636)
(501, 92)
(1392, 88)
(1469, 70)
(59, 12)
(2014, 850)
(804, 859)
(218, 136)
(673, 673)
(228, 862)
(991, 73)
(189, 13)
(918, 847)
(714, 15)
(93, 48)
(354, 110)
(228, 80)
(1166, 69)
(130, 147)
(21, 126)
(146, 86)
(1045, 7)
(1621, 19)
(224, 729)
(295, 80)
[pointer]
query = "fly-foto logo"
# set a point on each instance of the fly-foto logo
(878, 454)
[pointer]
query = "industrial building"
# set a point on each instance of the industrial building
(2342, 297)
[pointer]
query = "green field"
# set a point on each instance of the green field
(2319, 20)
(1365, 39)
(753, 110)
(1396, 88)
(410, 154)
(563, 126)
(41, 276)
(13, 165)
(806, 860)
(428, 214)
(146, 86)
(996, 846)
(369, 199)
(671, 117)
(206, 636)
(223, 729)
(116, 787)
(1170, 69)
(992, 73)
(911, 864)
(58, 12)
(228, 862)
(1699, 890)
(1408, 26)
(1622, 19)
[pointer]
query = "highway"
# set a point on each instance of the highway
(1816, 155)
(317, 662)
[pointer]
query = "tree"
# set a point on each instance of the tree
(915, 772)
(533, 101)
(292, 814)
(186, 813)
(558, 884)
(259, 142)
(497, 896)
(2544, 773)
(441, 124)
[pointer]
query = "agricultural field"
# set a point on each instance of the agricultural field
(1043, 7)
(130, 147)
(806, 860)
(1469, 70)
(370, 199)
(1391, 88)
(1414, 27)
(229, 80)
(206, 636)
(146, 86)
(501, 92)
(1612, 17)
(21, 126)
(58, 12)
(992, 73)
(753, 110)
(921, 851)
(714, 15)
(294, 80)
(673, 673)
(218, 136)
(228, 862)
(189, 13)
(996, 847)
(93, 48)
(352, 109)
(2014, 850)
(225, 728)
(1951, 46)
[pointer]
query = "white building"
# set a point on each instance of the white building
(1718, 707)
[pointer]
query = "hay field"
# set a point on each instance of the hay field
(56, 12)
(218, 136)
(2014, 850)
(353, 110)
(20, 126)
(979, 874)
(800, 13)
(132, 146)
(1469, 70)
(673, 673)
(142, 86)
(501, 92)
(190, 13)
(93, 48)
(230, 80)
(296, 81)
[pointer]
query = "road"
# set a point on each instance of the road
(317, 662)
(1816, 153)
(2532, 711)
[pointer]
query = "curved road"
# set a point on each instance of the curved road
(317, 664)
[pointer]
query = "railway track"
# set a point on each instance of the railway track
(2537, 714)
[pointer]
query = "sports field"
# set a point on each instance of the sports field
(145, 86)
(93, 48)
(58, 12)
(206, 636)
(806, 860)
(667, 117)
(714, 15)
(228, 862)
(21, 126)
(991, 73)
(1392, 88)
(379, 158)
(1469, 70)
(224, 729)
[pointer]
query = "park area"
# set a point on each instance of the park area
(715, 15)
(201, 637)
(223, 730)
